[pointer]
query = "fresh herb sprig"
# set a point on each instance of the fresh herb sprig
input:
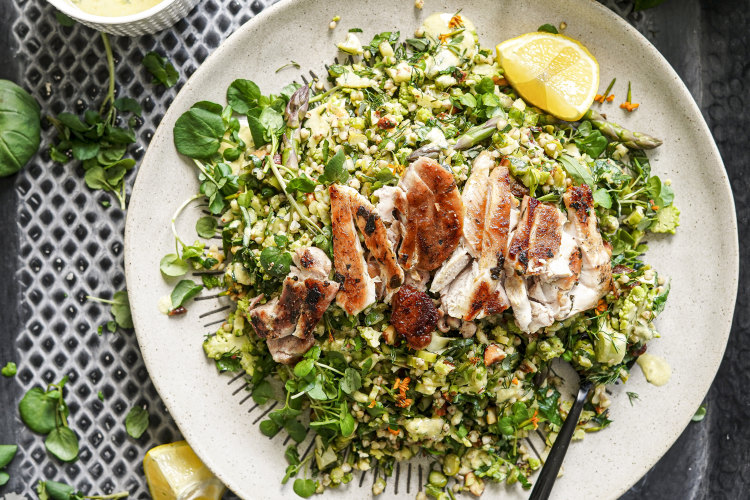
(96, 140)
(45, 412)
(161, 69)
(52, 490)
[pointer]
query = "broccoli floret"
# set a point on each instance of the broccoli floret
(633, 313)
(550, 348)
(667, 220)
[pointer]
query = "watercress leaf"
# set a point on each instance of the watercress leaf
(280, 240)
(296, 430)
(302, 184)
(4, 478)
(72, 122)
(418, 44)
(275, 262)
(593, 144)
(206, 227)
(136, 422)
(243, 95)
(161, 69)
(120, 309)
(55, 491)
(257, 130)
(85, 150)
(468, 101)
(602, 198)
(548, 28)
(209, 106)
(184, 291)
(127, 104)
(485, 85)
(576, 171)
(292, 455)
(549, 407)
(304, 487)
(304, 367)
(37, 411)
(58, 156)
(334, 170)
(272, 121)
(262, 392)
(352, 381)
(19, 127)
(269, 428)
(171, 265)
(198, 133)
(7, 452)
(64, 20)
(347, 424)
(506, 426)
(62, 443)
(316, 389)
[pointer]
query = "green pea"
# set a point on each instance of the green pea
(451, 464)
(438, 479)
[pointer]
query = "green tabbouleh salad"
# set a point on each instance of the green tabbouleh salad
(377, 389)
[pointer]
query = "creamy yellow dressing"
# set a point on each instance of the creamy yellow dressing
(114, 8)
(656, 369)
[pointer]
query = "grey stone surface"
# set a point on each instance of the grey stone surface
(59, 243)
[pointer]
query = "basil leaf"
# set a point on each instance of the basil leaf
(62, 443)
(243, 95)
(7, 452)
(548, 28)
(136, 422)
(198, 133)
(206, 227)
(37, 410)
(20, 130)
(161, 69)
(184, 291)
(171, 265)
(576, 171)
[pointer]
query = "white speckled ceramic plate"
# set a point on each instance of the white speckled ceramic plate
(216, 415)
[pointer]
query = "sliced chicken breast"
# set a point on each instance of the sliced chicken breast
(595, 278)
(433, 216)
(357, 287)
(537, 238)
(287, 322)
(474, 197)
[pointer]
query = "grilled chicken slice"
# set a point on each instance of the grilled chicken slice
(287, 322)
(474, 197)
(357, 287)
(391, 202)
(433, 216)
(595, 278)
(414, 316)
(450, 269)
(537, 238)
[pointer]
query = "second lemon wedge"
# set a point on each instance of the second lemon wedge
(174, 472)
(553, 72)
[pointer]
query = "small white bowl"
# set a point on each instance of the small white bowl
(158, 17)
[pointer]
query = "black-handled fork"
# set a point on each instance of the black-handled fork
(547, 476)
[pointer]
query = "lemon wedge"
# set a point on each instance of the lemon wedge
(553, 72)
(174, 472)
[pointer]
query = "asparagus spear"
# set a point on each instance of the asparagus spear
(293, 115)
(633, 140)
(470, 138)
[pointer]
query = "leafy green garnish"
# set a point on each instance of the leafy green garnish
(136, 422)
(334, 171)
(45, 412)
(548, 28)
(119, 307)
(184, 291)
(576, 171)
(700, 414)
(590, 141)
(52, 490)
(304, 487)
(20, 130)
(161, 69)
(206, 227)
(198, 133)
